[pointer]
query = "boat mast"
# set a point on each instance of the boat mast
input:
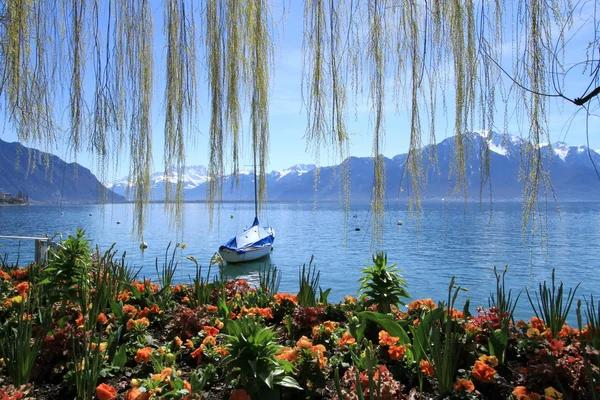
(255, 180)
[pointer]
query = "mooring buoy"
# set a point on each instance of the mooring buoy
(143, 245)
(357, 229)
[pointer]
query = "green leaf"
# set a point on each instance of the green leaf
(290, 382)
(115, 308)
(388, 323)
(120, 357)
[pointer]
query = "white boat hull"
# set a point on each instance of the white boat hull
(249, 254)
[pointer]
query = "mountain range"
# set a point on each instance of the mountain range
(571, 169)
(46, 178)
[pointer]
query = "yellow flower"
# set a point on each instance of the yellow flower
(532, 332)
(551, 393)
(489, 360)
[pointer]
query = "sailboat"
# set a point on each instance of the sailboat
(252, 244)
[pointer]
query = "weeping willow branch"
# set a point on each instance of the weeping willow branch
(180, 96)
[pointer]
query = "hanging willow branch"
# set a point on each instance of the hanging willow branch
(180, 98)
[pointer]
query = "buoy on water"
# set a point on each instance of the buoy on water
(399, 222)
(62, 213)
(91, 214)
(143, 245)
(355, 216)
(357, 229)
(231, 216)
(118, 222)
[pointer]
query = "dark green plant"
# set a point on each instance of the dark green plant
(445, 351)
(592, 313)
(87, 352)
(202, 286)
(309, 284)
(505, 306)
(68, 270)
(550, 305)
(21, 337)
(269, 279)
(382, 284)
(167, 271)
(252, 357)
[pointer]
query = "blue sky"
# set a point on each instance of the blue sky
(288, 120)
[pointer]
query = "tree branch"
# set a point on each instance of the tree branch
(582, 100)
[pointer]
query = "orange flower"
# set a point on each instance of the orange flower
(455, 314)
(165, 374)
(136, 394)
(221, 350)
(124, 296)
(129, 310)
(350, 299)
(156, 309)
(346, 339)
(137, 323)
(5, 276)
(79, 321)
(143, 355)
(211, 331)
(533, 332)
(426, 368)
(304, 343)
(521, 393)
(425, 304)
(22, 288)
(385, 339)
(218, 324)
(464, 384)
(281, 297)
(20, 274)
(106, 392)
(537, 323)
(197, 354)
(209, 340)
(483, 372)
(472, 329)
(240, 394)
(102, 318)
(288, 353)
(186, 300)
(210, 309)
(144, 313)
(396, 352)
(521, 324)
(177, 341)
(189, 343)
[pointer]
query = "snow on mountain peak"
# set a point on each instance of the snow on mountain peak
(298, 169)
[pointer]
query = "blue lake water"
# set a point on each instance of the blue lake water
(450, 239)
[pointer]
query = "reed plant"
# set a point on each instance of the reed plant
(504, 304)
(308, 280)
(167, 270)
(202, 287)
(550, 305)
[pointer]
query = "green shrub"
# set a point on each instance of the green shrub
(382, 284)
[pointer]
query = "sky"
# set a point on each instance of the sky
(288, 118)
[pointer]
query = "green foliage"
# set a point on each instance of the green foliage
(22, 336)
(252, 357)
(202, 286)
(550, 307)
(309, 284)
(505, 305)
(382, 285)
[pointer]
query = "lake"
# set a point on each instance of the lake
(450, 239)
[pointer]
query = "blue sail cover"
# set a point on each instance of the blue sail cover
(256, 236)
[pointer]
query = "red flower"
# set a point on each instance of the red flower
(106, 392)
(197, 354)
(102, 318)
(240, 394)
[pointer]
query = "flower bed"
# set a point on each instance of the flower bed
(90, 331)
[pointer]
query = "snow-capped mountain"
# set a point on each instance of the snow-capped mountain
(571, 170)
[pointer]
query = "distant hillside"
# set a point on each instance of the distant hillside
(46, 178)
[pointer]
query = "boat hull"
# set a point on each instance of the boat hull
(248, 254)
